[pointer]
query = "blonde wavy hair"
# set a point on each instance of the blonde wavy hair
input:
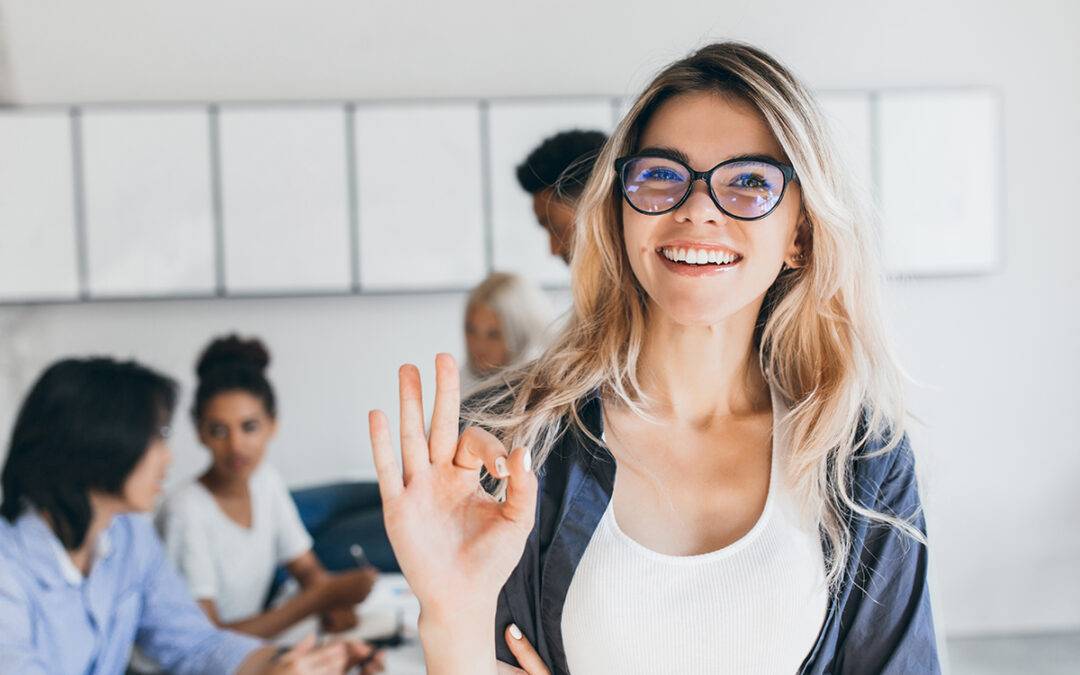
(820, 338)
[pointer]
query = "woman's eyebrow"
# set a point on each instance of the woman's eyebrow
(680, 156)
(665, 152)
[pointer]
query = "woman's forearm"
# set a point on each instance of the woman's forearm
(459, 644)
(271, 622)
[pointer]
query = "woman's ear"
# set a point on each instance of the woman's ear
(798, 253)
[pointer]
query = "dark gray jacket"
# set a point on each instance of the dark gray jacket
(879, 623)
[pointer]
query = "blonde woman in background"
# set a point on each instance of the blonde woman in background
(506, 320)
(709, 471)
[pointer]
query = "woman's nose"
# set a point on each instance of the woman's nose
(699, 206)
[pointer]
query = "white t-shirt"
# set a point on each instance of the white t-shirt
(223, 561)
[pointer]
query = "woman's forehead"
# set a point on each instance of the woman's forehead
(233, 402)
(709, 128)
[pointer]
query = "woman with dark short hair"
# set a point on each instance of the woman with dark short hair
(83, 577)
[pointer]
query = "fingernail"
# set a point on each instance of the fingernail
(527, 461)
(515, 632)
(500, 468)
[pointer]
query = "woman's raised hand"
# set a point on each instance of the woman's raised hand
(455, 543)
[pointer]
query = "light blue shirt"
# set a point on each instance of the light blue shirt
(53, 620)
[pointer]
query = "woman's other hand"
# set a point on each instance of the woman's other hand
(347, 588)
(524, 653)
(339, 619)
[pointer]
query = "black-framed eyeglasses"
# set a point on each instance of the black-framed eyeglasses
(748, 187)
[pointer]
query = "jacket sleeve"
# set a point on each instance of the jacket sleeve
(892, 630)
(517, 605)
(173, 630)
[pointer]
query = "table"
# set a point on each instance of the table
(379, 614)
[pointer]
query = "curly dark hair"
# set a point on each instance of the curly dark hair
(231, 363)
(563, 161)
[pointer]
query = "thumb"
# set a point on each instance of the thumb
(524, 652)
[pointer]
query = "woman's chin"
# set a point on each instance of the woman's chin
(139, 505)
(144, 502)
(696, 313)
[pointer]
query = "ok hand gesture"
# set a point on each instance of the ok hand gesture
(455, 543)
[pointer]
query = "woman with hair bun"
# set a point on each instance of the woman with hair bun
(232, 527)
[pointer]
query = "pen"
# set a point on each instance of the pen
(358, 555)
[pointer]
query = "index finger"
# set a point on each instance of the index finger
(444, 419)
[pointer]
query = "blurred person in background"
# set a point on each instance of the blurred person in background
(506, 321)
(229, 530)
(555, 174)
(83, 576)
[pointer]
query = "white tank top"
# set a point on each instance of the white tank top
(754, 606)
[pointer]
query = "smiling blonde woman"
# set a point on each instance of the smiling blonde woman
(722, 480)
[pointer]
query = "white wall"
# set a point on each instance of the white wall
(999, 353)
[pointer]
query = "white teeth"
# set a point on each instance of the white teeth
(698, 256)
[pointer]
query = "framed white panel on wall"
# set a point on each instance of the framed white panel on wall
(148, 204)
(285, 206)
(38, 250)
(940, 181)
(851, 121)
(420, 190)
(520, 244)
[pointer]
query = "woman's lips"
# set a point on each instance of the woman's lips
(692, 270)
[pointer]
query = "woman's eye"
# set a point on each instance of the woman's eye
(751, 181)
(218, 432)
(250, 427)
(661, 173)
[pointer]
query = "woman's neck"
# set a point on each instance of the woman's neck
(222, 485)
(103, 511)
(698, 374)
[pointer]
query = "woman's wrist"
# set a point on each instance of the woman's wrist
(458, 643)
